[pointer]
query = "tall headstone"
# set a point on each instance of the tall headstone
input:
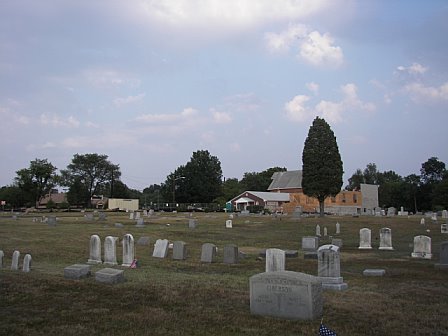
(422, 221)
(131, 215)
(365, 235)
(338, 228)
(275, 260)
(128, 250)
(325, 231)
(179, 250)
(208, 253)
(1, 259)
(286, 294)
(137, 215)
(228, 224)
(422, 247)
(95, 250)
(318, 230)
(231, 254)
(160, 248)
(15, 260)
(444, 214)
(385, 239)
(27, 263)
(110, 250)
(329, 269)
(443, 263)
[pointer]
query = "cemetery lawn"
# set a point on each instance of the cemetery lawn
(168, 297)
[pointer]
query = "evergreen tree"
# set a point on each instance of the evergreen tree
(322, 164)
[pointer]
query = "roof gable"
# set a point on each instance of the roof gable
(286, 180)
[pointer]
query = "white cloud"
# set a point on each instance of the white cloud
(109, 79)
(317, 49)
(186, 114)
(418, 92)
(332, 111)
(413, 69)
(313, 87)
(128, 100)
(296, 109)
(221, 117)
(283, 41)
(56, 121)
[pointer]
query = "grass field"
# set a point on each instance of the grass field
(170, 297)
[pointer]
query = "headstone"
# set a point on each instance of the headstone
(179, 250)
(110, 251)
(119, 225)
(143, 241)
(208, 253)
(325, 231)
(444, 214)
(385, 239)
(102, 216)
(140, 222)
(160, 248)
(88, 217)
(318, 230)
(275, 260)
(131, 215)
(374, 272)
(128, 250)
(443, 263)
(192, 223)
(434, 217)
(329, 269)
(338, 228)
(231, 254)
(27, 263)
(310, 243)
(77, 271)
(51, 221)
(291, 253)
(391, 211)
(145, 213)
(231, 216)
(422, 221)
(286, 294)
(137, 215)
(95, 250)
(422, 247)
(228, 224)
(365, 239)
(337, 242)
(1, 259)
(15, 260)
(151, 212)
(109, 276)
(444, 228)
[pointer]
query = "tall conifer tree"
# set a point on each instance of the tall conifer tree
(322, 164)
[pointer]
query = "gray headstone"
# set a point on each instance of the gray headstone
(27, 263)
(208, 253)
(95, 250)
(365, 239)
(110, 251)
(385, 239)
(51, 221)
(310, 243)
(374, 272)
(119, 225)
(275, 260)
(325, 231)
(337, 242)
(102, 216)
(192, 223)
(128, 250)
(109, 276)
(160, 248)
(285, 294)
(15, 260)
(88, 217)
(137, 215)
(77, 271)
(422, 247)
(140, 222)
(443, 263)
(1, 259)
(329, 269)
(179, 250)
(143, 241)
(444, 228)
(291, 253)
(231, 254)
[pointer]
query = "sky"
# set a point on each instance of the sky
(149, 82)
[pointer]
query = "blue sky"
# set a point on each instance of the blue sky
(149, 82)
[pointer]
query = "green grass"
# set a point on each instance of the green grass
(171, 297)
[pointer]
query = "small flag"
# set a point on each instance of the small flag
(324, 331)
(134, 263)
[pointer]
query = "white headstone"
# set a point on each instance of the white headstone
(160, 248)
(422, 221)
(338, 228)
(444, 228)
(318, 230)
(444, 214)
(110, 251)
(275, 260)
(385, 239)
(26, 263)
(95, 250)
(137, 215)
(128, 250)
(434, 216)
(15, 260)
(422, 247)
(365, 239)
(229, 224)
(325, 231)
(131, 215)
(310, 243)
